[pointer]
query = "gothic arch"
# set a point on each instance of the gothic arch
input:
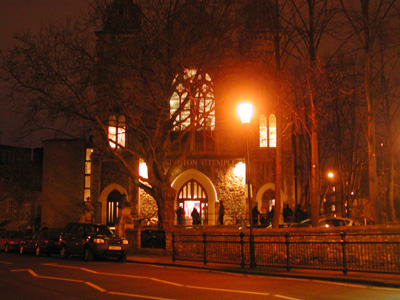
(205, 182)
(103, 199)
(263, 189)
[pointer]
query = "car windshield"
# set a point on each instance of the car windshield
(50, 234)
(101, 230)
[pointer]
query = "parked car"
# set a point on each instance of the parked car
(41, 242)
(91, 241)
(282, 225)
(10, 240)
(328, 222)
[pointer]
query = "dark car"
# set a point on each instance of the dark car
(91, 241)
(41, 242)
(11, 240)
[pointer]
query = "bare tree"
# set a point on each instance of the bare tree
(310, 21)
(133, 69)
(365, 22)
(341, 142)
(388, 109)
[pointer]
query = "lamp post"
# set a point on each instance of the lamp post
(245, 112)
(330, 176)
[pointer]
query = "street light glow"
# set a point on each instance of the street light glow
(330, 175)
(245, 112)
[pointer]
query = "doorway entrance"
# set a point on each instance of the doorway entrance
(192, 196)
(113, 211)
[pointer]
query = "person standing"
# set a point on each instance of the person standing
(254, 215)
(221, 213)
(287, 214)
(195, 216)
(179, 214)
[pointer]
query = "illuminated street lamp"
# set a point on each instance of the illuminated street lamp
(245, 112)
(330, 176)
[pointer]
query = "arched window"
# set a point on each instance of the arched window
(200, 108)
(268, 131)
(116, 132)
(193, 195)
(192, 104)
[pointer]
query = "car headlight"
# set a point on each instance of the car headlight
(125, 242)
(98, 241)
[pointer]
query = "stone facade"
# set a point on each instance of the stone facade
(210, 173)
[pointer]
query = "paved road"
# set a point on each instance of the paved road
(30, 277)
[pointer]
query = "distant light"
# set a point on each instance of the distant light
(240, 170)
(245, 112)
(143, 170)
(330, 175)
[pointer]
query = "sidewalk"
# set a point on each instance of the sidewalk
(374, 279)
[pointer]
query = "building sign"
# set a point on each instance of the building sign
(193, 162)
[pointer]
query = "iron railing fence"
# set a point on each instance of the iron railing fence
(369, 252)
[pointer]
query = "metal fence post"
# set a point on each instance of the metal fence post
(343, 235)
(242, 248)
(205, 248)
(173, 246)
(287, 251)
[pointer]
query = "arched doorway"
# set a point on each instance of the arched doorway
(192, 195)
(206, 184)
(103, 201)
(113, 211)
(267, 205)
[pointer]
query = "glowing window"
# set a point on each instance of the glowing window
(116, 132)
(272, 131)
(199, 109)
(268, 131)
(263, 131)
(88, 172)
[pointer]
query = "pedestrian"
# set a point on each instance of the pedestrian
(254, 215)
(298, 213)
(195, 216)
(221, 212)
(271, 214)
(287, 214)
(179, 213)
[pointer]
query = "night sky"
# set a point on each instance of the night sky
(16, 15)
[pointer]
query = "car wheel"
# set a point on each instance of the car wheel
(122, 258)
(63, 252)
(37, 251)
(87, 255)
(21, 249)
(6, 248)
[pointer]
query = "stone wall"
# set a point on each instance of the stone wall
(229, 188)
